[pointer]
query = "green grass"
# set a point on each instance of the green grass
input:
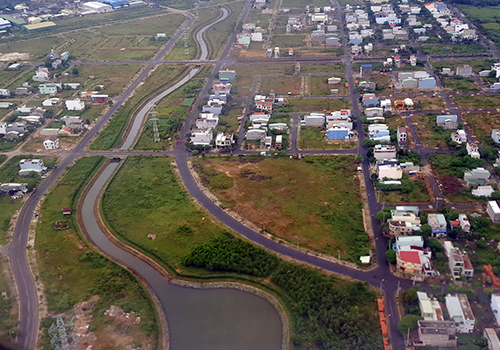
(430, 135)
(149, 27)
(8, 315)
(218, 34)
(322, 68)
(281, 85)
(8, 207)
(289, 199)
(457, 48)
(303, 3)
(163, 206)
(72, 272)
(3, 157)
(318, 86)
(460, 84)
(477, 102)
(419, 194)
(290, 40)
(111, 135)
(308, 105)
(312, 138)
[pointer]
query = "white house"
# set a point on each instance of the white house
(201, 137)
(482, 191)
(495, 306)
(460, 312)
(224, 140)
(459, 136)
(75, 104)
(473, 150)
(51, 143)
(31, 165)
(495, 135)
(207, 121)
(42, 74)
(494, 212)
(389, 171)
(464, 222)
(51, 102)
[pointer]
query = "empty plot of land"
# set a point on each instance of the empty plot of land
(281, 85)
(430, 134)
(477, 102)
(318, 86)
(315, 202)
(322, 68)
(307, 105)
(482, 124)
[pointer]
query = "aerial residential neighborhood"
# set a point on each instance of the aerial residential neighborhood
(257, 174)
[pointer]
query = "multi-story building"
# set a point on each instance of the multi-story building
(437, 333)
(438, 224)
(460, 312)
(493, 211)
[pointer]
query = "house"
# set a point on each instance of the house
(201, 137)
(459, 263)
(370, 100)
(495, 306)
(494, 212)
(386, 104)
(381, 152)
(334, 81)
(99, 99)
(224, 141)
(429, 308)
(464, 71)
(42, 74)
(438, 224)
(460, 312)
(482, 191)
(51, 143)
(215, 109)
(414, 262)
(473, 150)
(22, 90)
(4, 93)
(28, 166)
(314, 119)
(402, 135)
(366, 70)
(255, 134)
(66, 211)
(392, 172)
(264, 106)
(266, 142)
(492, 338)
(75, 104)
(380, 135)
(405, 242)
(495, 86)
(448, 122)
(437, 334)
(279, 141)
(19, 127)
(410, 83)
(476, 176)
(73, 122)
(227, 75)
(51, 102)
(495, 135)
(47, 90)
(367, 85)
(71, 86)
(374, 112)
(6, 105)
(207, 121)
(338, 133)
(459, 136)
(11, 189)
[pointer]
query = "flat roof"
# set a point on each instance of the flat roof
(41, 25)
(494, 206)
(13, 19)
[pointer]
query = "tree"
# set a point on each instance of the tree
(408, 322)
(426, 230)
(75, 71)
(391, 256)
(383, 215)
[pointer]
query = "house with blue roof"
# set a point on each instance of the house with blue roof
(114, 3)
(337, 134)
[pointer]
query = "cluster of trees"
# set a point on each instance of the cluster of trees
(228, 253)
(328, 315)
(455, 166)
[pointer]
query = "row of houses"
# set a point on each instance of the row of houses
(338, 124)
(416, 80)
(458, 29)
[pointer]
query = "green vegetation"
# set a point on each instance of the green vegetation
(228, 253)
(410, 191)
(307, 105)
(3, 157)
(477, 102)
(72, 272)
(218, 34)
(8, 207)
(313, 138)
(280, 84)
(287, 198)
(459, 48)
(8, 314)
(9, 172)
(290, 40)
(322, 68)
(111, 135)
(482, 124)
(485, 18)
(430, 134)
(460, 84)
(162, 205)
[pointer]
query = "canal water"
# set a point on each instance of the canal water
(198, 319)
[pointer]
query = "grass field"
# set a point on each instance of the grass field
(113, 77)
(289, 40)
(303, 3)
(9, 172)
(111, 135)
(451, 49)
(481, 125)
(307, 105)
(318, 86)
(459, 84)
(281, 85)
(419, 194)
(477, 65)
(72, 272)
(429, 103)
(8, 307)
(289, 199)
(8, 207)
(164, 207)
(218, 34)
(322, 68)
(312, 138)
(383, 81)
(430, 137)
(8, 78)
(477, 102)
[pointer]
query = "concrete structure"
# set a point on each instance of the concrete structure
(334, 81)
(492, 338)
(42, 74)
(429, 308)
(11, 189)
(314, 119)
(75, 104)
(494, 212)
(4, 93)
(495, 306)
(366, 70)
(227, 75)
(438, 224)
(215, 109)
(51, 143)
(370, 100)
(482, 191)
(495, 135)
(406, 242)
(337, 133)
(201, 137)
(459, 263)
(464, 223)
(207, 121)
(414, 262)
(255, 134)
(460, 312)
(464, 71)
(47, 90)
(459, 136)
(224, 141)
(374, 112)
(73, 122)
(402, 136)
(28, 166)
(381, 152)
(440, 334)
(448, 122)
(473, 150)
(96, 7)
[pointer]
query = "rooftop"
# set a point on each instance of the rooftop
(410, 256)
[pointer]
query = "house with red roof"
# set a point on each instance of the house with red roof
(414, 262)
